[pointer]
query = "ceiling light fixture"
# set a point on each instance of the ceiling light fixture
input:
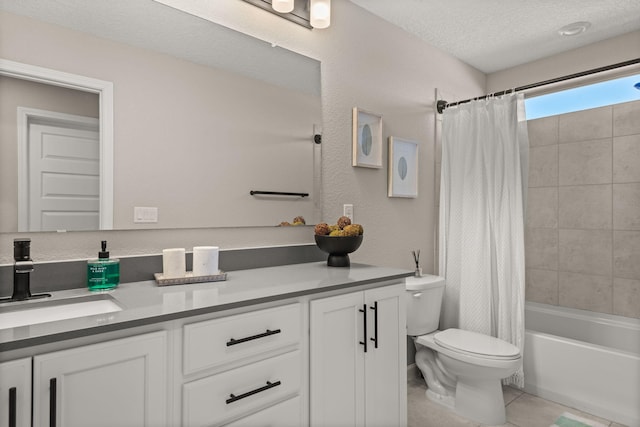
(308, 13)
(574, 29)
(282, 6)
(320, 13)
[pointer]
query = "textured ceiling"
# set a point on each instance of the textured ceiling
(492, 35)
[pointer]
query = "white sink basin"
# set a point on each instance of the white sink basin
(31, 313)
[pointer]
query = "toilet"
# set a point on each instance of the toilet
(463, 369)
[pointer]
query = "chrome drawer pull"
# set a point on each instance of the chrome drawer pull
(253, 337)
(232, 397)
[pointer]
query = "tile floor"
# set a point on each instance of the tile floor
(523, 410)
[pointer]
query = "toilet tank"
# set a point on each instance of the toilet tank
(424, 300)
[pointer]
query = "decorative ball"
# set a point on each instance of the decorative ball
(299, 219)
(351, 230)
(322, 229)
(343, 221)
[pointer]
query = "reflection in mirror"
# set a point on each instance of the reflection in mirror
(202, 115)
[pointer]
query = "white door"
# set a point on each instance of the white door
(64, 178)
(118, 383)
(386, 362)
(337, 361)
(15, 393)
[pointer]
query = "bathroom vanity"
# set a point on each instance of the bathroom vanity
(301, 344)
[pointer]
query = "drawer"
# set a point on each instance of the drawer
(231, 394)
(285, 414)
(216, 342)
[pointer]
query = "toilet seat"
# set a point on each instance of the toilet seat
(475, 344)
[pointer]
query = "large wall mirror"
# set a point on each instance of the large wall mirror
(201, 115)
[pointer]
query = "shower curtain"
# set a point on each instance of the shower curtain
(482, 202)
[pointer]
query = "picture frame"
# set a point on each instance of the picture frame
(366, 139)
(403, 168)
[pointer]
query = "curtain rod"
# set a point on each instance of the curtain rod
(442, 104)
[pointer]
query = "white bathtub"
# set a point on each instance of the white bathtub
(586, 360)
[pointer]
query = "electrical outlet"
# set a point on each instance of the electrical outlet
(347, 210)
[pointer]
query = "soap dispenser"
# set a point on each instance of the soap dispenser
(103, 273)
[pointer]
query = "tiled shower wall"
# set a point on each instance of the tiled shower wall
(583, 210)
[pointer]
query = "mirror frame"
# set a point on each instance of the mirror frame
(104, 90)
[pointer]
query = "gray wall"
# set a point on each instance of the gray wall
(583, 210)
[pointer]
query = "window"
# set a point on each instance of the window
(614, 91)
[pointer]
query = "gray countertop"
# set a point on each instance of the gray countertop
(145, 302)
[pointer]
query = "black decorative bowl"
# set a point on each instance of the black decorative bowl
(338, 248)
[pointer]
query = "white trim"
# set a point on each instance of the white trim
(104, 89)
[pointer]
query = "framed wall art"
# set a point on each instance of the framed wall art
(403, 168)
(367, 139)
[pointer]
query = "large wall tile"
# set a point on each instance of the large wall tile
(586, 292)
(626, 297)
(541, 286)
(626, 118)
(626, 206)
(585, 125)
(626, 254)
(626, 158)
(542, 207)
(585, 206)
(543, 166)
(585, 162)
(541, 248)
(543, 131)
(585, 251)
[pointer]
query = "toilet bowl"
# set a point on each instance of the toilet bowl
(463, 369)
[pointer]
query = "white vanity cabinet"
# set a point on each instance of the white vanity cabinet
(114, 383)
(358, 359)
(15, 393)
(245, 367)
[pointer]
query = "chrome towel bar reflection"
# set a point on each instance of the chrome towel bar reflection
(277, 193)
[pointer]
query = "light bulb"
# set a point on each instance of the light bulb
(320, 13)
(282, 6)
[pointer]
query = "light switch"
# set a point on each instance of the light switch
(347, 210)
(145, 214)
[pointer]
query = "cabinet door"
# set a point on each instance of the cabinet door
(386, 361)
(15, 393)
(336, 361)
(115, 383)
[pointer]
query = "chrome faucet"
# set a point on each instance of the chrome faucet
(22, 268)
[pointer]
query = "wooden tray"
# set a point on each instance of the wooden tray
(189, 278)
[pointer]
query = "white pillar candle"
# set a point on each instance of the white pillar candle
(173, 263)
(205, 260)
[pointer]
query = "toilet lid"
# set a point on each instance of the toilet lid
(475, 343)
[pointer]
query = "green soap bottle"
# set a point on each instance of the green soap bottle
(103, 273)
